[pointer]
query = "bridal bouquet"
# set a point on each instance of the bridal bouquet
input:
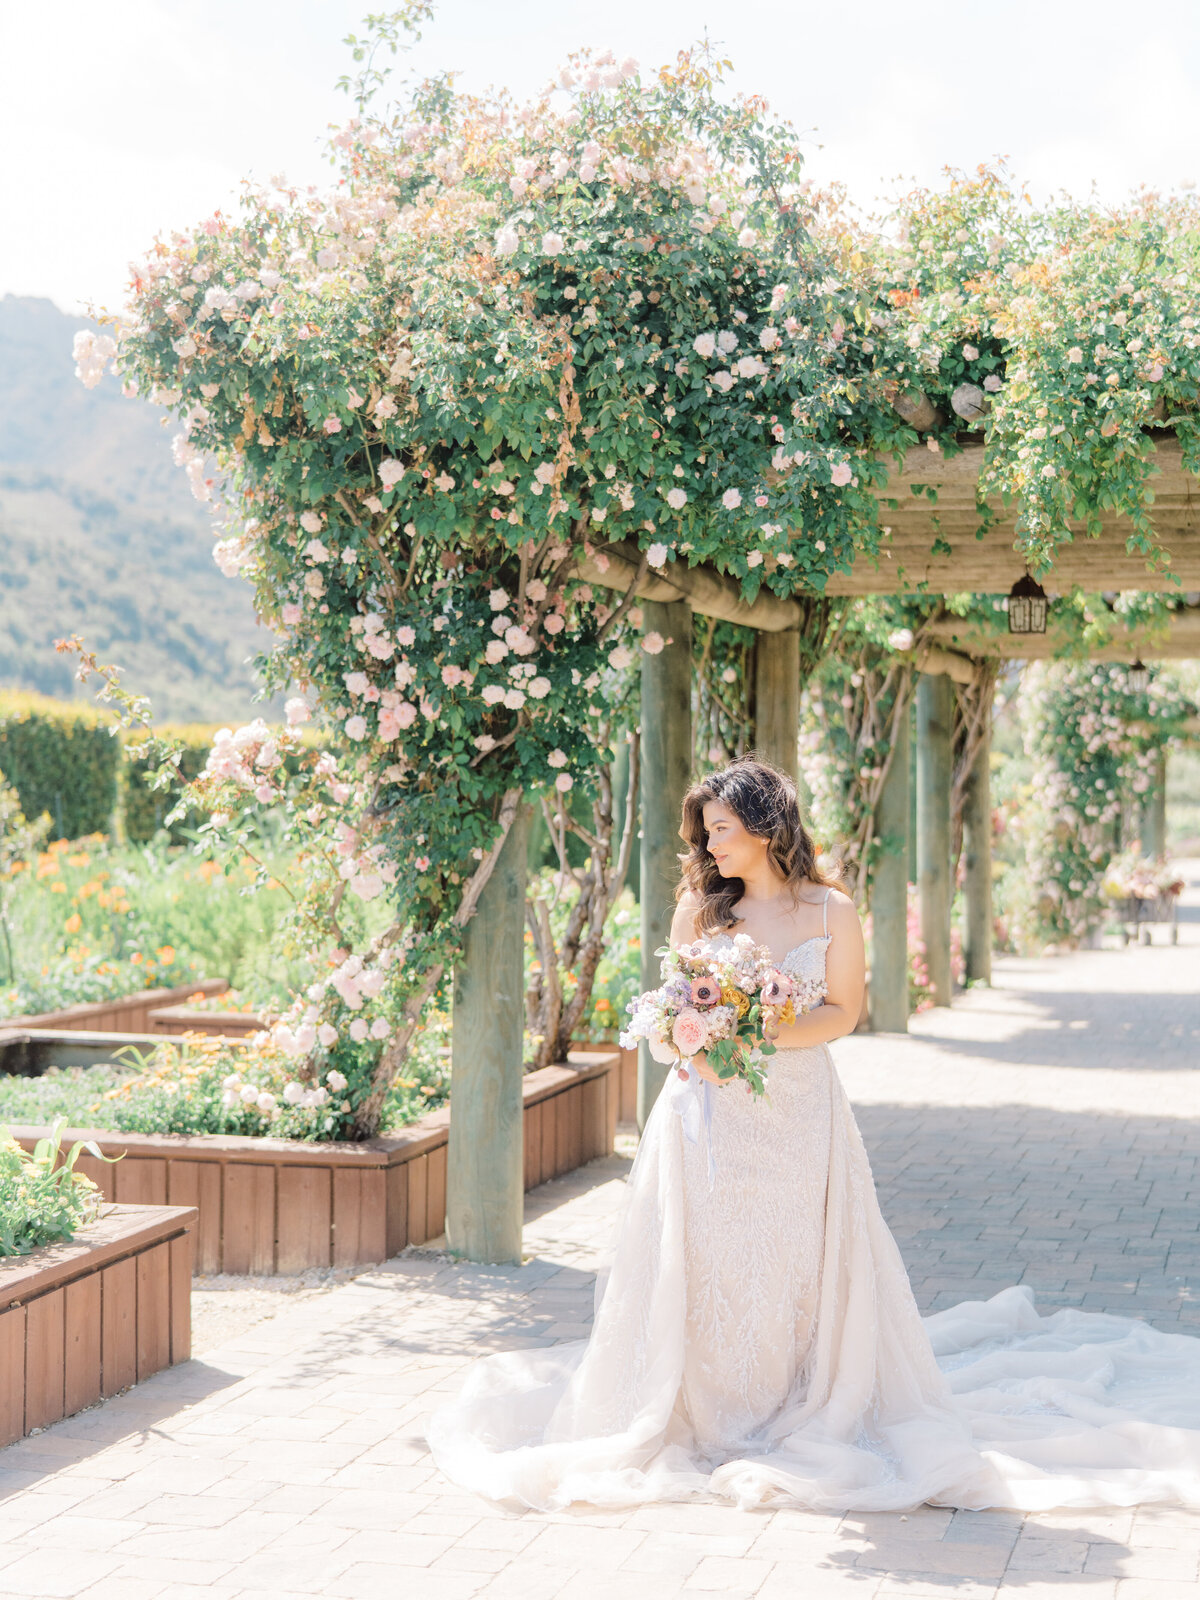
(728, 1002)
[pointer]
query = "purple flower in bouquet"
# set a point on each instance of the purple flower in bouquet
(706, 992)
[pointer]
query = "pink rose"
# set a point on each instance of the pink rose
(841, 474)
(690, 1032)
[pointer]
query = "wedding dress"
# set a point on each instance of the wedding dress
(756, 1340)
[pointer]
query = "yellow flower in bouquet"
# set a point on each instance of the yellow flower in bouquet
(732, 996)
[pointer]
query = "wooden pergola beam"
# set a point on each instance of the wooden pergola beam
(1180, 641)
(908, 564)
(708, 593)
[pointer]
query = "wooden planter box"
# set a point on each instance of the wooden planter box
(86, 1318)
(129, 1014)
(175, 1020)
(282, 1205)
(627, 1078)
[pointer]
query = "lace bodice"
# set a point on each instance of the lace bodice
(804, 963)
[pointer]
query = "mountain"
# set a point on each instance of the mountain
(100, 536)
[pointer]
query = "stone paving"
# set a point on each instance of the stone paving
(1042, 1131)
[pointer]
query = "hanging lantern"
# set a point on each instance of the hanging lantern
(1027, 606)
(1138, 677)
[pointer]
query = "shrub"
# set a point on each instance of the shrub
(62, 760)
(42, 1197)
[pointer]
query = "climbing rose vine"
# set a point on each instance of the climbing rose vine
(1092, 741)
(502, 339)
(505, 338)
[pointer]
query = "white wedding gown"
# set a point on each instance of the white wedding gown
(756, 1340)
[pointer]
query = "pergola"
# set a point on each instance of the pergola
(485, 1201)
(926, 506)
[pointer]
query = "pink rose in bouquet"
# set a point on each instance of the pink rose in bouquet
(690, 1032)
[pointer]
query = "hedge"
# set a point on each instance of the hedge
(61, 759)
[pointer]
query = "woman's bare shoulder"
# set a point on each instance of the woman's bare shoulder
(840, 900)
(683, 923)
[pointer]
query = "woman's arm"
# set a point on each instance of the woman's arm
(845, 978)
(683, 923)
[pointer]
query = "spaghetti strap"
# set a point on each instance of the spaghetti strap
(825, 914)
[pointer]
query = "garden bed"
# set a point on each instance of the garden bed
(283, 1205)
(129, 1013)
(86, 1318)
(30, 1052)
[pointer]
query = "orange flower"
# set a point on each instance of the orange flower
(165, 954)
(136, 957)
(57, 888)
(73, 923)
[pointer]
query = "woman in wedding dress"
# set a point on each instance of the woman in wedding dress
(756, 1339)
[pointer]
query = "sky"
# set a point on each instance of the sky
(123, 118)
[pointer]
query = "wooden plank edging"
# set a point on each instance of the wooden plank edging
(74, 1018)
(86, 1317)
(279, 1205)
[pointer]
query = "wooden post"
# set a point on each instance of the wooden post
(889, 891)
(777, 700)
(486, 1160)
(935, 726)
(977, 863)
(1154, 824)
(666, 772)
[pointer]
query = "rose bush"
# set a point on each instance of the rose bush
(1092, 741)
(501, 338)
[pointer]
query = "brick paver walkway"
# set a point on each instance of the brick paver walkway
(1037, 1133)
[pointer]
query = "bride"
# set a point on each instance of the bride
(756, 1339)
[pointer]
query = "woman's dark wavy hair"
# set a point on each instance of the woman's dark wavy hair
(764, 802)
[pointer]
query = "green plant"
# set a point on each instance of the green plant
(67, 1094)
(618, 977)
(20, 844)
(62, 760)
(218, 1086)
(145, 808)
(98, 920)
(42, 1197)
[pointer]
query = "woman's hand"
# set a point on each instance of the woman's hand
(701, 1065)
